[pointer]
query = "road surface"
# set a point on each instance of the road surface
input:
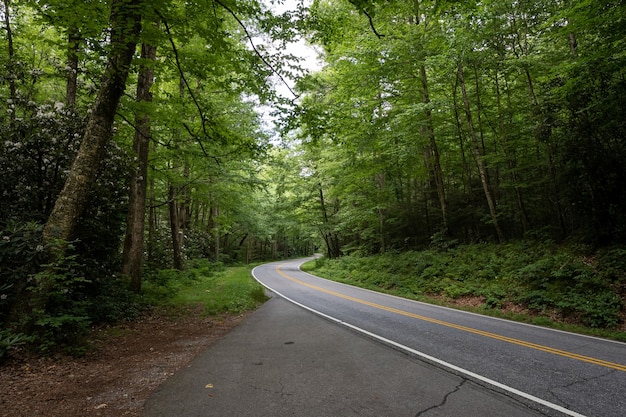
(561, 372)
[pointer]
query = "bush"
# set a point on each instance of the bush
(10, 341)
(21, 255)
(57, 300)
(59, 306)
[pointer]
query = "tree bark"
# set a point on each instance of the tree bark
(152, 213)
(125, 28)
(132, 257)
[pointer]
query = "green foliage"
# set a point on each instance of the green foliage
(547, 279)
(10, 341)
(21, 255)
(217, 290)
(35, 154)
(112, 301)
(394, 134)
(59, 309)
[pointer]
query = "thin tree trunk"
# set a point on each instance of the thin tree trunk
(434, 160)
(380, 184)
(467, 172)
(125, 28)
(11, 64)
(479, 157)
(132, 257)
(330, 238)
(152, 220)
(73, 47)
(573, 44)
(215, 212)
(511, 160)
(175, 229)
(433, 152)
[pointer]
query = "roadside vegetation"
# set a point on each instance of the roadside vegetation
(211, 288)
(567, 287)
(214, 288)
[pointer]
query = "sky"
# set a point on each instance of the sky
(298, 48)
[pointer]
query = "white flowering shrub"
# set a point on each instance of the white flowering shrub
(35, 156)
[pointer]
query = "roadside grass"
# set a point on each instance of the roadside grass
(562, 287)
(216, 289)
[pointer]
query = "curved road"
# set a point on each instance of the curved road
(571, 374)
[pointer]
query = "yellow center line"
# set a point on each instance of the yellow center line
(530, 345)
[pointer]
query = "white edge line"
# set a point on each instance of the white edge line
(426, 356)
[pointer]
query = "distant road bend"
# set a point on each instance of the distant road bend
(570, 374)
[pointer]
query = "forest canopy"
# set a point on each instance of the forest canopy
(471, 121)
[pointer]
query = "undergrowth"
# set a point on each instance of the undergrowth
(541, 283)
(216, 288)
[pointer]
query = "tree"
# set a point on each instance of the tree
(132, 258)
(125, 28)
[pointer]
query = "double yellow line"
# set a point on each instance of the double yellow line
(514, 341)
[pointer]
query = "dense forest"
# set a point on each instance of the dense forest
(135, 138)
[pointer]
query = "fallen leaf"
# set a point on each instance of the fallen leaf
(208, 386)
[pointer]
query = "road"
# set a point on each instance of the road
(565, 373)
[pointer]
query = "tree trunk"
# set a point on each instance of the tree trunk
(216, 232)
(434, 163)
(125, 28)
(479, 157)
(132, 257)
(510, 157)
(175, 229)
(152, 214)
(434, 160)
(74, 40)
(467, 172)
(11, 64)
(330, 237)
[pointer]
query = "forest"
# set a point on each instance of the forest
(139, 138)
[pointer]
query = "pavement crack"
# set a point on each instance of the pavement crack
(282, 388)
(566, 387)
(444, 400)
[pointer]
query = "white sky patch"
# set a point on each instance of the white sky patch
(310, 61)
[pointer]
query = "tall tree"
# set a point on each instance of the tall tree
(125, 28)
(132, 258)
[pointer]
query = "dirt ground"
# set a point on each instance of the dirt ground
(116, 377)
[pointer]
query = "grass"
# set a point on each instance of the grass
(230, 291)
(217, 289)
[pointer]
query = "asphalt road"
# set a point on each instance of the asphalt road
(554, 372)
(285, 361)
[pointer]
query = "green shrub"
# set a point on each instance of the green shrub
(579, 285)
(59, 315)
(10, 341)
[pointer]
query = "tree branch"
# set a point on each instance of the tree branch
(378, 35)
(256, 51)
(203, 118)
